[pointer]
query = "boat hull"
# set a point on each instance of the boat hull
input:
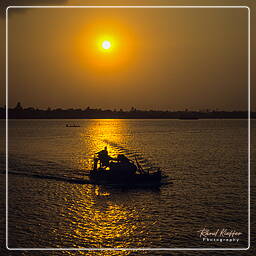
(140, 180)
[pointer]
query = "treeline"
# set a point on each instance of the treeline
(31, 113)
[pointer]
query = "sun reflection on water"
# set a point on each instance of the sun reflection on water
(95, 136)
(99, 217)
(105, 252)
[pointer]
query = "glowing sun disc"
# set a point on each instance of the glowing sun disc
(106, 45)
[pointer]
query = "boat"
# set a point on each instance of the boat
(122, 171)
(72, 125)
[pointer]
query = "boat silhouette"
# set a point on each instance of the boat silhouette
(121, 171)
(72, 125)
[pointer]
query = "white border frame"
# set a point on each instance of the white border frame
(249, 132)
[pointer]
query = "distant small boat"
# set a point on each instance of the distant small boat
(72, 125)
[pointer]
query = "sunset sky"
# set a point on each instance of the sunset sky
(154, 58)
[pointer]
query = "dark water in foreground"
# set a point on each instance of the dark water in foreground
(207, 165)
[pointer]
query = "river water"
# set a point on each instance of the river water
(206, 162)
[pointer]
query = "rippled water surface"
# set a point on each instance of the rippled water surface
(206, 162)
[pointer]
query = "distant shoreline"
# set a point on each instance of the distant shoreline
(62, 118)
(31, 113)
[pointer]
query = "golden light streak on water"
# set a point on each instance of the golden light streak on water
(96, 215)
(101, 219)
(98, 132)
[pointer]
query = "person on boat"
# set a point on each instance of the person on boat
(95, 163)
(104, 157)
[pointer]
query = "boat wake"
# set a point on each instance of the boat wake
(78, 181)
(49, 177)
(36, 168)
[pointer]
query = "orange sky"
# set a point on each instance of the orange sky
(160, 58)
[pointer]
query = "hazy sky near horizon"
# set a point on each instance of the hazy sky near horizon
(160, 58)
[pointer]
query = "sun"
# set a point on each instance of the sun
(106, 45)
